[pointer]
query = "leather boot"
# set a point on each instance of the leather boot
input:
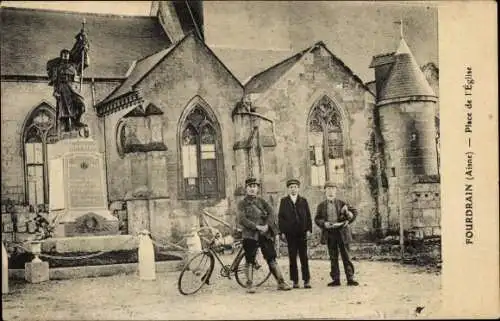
(249, 275)
(276, 272)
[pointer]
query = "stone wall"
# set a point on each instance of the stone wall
(289, 103)
(189, 75)
(426, 208)
(18, 99)
(18, 223)
(407, 157)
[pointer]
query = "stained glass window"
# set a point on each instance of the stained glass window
(326, 149)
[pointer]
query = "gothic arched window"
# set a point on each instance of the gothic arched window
(326, 148)
(201, 156)
(39, 132)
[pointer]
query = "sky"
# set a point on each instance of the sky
(249, 36)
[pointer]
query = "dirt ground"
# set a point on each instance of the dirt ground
(387, 290)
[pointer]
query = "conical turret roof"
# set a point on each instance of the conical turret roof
(406, 80)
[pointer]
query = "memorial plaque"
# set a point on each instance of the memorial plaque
(85, 183)
(56, 186)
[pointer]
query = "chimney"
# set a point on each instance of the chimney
(382, 64)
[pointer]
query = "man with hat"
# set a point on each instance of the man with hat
(259, 229)
(334, 216)
(295, 223)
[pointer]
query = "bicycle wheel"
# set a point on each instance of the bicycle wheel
(196, 273)
(261, 270)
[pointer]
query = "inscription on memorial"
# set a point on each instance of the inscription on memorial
(85, 182)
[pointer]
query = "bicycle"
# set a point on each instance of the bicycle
(202, 265)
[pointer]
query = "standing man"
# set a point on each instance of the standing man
(259, 229)
(295, 224)
(334, 216)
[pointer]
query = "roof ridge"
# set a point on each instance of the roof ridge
(349, 70)
(156, 52)
(301, 54)
(282, 62)
(76, 12)
(384, 54)
(166, 52)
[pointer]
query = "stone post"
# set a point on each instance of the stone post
(36, 271)
(5, 271)
(146, 257)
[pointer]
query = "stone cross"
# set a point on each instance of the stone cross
(400, 22)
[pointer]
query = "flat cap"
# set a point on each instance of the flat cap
(330, 184)
(251, 180)
(292, 181)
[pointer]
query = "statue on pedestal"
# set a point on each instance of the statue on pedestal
(64, 73)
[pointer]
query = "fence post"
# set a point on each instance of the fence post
(146, 257)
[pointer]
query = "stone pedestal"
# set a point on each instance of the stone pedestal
(138, 216)
(78, 192)
(36, 272)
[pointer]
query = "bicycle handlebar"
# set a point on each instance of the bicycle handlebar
(217, 235)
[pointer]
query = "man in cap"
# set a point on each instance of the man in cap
(295, 223)
(334, 216)
(259, 229)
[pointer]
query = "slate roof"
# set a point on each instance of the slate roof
(265, 79)
(383, 59)
(139, 70)
(143, 66)
(30, 37)
(406, 79)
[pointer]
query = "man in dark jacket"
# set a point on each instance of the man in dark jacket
(334, 216)
(259, 229)
(295, 223)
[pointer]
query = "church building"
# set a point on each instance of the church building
(179, 133)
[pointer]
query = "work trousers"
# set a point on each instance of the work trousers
(266, 245)
(297, 244)
(335, 245)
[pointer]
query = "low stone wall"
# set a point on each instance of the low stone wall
(98, 271)
(18, 222)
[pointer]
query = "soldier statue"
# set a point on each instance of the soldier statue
(64, 73)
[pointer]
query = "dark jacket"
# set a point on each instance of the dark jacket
(253, 211)
(294, 218)
(322, 216)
